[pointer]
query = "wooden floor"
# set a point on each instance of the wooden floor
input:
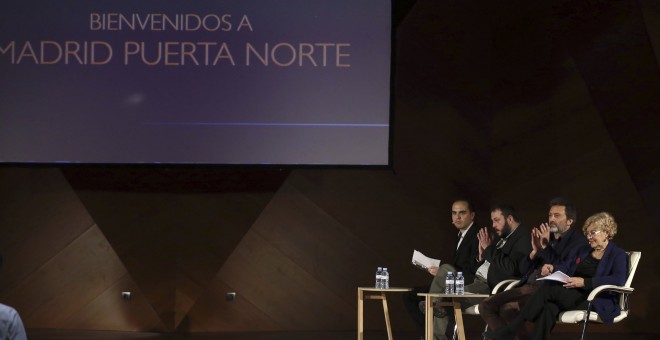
(109, 335)
(41, 334)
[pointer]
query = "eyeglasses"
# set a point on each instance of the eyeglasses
(592, 233)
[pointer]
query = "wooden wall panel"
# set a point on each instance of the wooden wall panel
(58, 266)
(177, 243)
(107, 311)
(315, 241)
(212, 312)
(292, 297)
(76, 275)
(39, 216)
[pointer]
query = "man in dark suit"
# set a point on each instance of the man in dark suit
(497, 259)
(467, 248)
(552, 242)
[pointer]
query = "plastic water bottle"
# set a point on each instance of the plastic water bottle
(379, 278)
(386, 278)
(460, 284)
(449, 283)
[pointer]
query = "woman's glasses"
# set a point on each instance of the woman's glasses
(592, 233)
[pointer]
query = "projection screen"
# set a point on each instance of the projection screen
(195, 82)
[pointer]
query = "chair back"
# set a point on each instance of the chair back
(633, 261)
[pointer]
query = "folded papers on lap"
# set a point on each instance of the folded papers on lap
(556, 276)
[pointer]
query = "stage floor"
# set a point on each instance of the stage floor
(44, 334)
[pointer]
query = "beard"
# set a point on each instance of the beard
(506, 230)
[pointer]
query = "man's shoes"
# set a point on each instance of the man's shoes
(503, 333)
(438, 312)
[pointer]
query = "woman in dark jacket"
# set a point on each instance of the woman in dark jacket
(599, 263)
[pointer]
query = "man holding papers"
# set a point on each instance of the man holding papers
(467, 248)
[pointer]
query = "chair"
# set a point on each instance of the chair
(502, 286)
(576, 316)
(474, 309)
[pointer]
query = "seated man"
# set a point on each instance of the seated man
(552, 242)
(467, 244)
(498, 260)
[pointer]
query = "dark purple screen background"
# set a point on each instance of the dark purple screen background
(188, 114)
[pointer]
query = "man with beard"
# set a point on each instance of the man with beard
(552, 242)
(498, 259)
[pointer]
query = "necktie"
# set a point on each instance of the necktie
(460, 237)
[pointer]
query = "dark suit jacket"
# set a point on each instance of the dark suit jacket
(611, 270)
(466, 253)
(505, 262)
(556, 252)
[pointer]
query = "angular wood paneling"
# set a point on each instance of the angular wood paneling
(39, 215)
(292, 297)
(173, 238)
(212, 312)
(59, 270)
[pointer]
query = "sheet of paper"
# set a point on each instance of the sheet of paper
(422, 261)
(556, 276)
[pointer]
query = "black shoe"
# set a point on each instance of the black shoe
(503, 333)
(439, 312)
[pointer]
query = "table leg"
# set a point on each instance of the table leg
(458, 315)
(429, 318)
(387, 317)
(360, 325)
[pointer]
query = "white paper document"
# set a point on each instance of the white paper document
(422, 261)
(556, 276)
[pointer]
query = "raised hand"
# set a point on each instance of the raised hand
(535, 245)
(484, 240)
(540, 237)
(544, 234)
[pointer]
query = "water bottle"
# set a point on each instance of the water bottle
(379, 278)
(386, 278)
(449, 283)
(460, 284)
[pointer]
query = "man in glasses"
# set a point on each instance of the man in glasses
(551, 242)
